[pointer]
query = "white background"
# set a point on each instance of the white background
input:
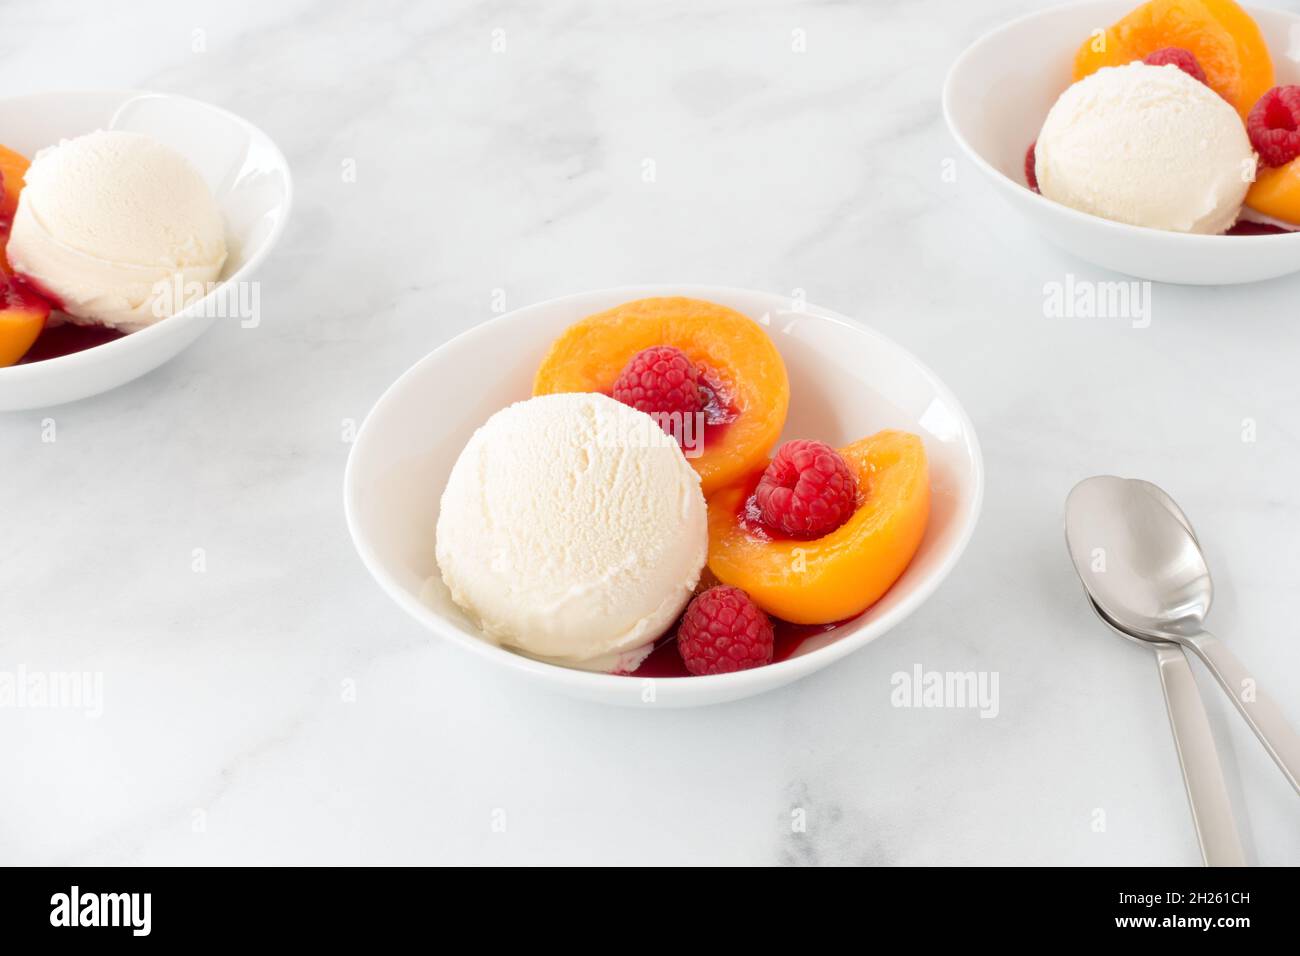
(225, 737)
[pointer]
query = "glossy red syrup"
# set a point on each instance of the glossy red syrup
(35, 288)
(750, 519)
(1246, 227)
(66, 339)
(719, 407)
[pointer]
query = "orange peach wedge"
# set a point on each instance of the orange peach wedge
(843, 573)
(22, 317)
(736, 358)
(1222, 36)
(12, 168)
(1276, 192)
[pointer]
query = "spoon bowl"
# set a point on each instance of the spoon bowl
(1168, 502)
(1138, 558)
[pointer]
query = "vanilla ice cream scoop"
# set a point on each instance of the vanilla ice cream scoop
(1149, 146)
(120, 229)
(572, 529)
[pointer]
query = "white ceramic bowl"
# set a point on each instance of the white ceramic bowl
(247, 173)
(846, 381)
(995, 100)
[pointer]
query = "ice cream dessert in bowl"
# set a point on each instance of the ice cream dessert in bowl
(105, 228)
(671, 500)
(574, 528)
(128, 222)
(1138, 136)
(1151, 136)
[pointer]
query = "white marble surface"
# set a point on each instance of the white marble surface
(226, 736)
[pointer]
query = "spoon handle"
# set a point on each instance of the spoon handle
(1202, 774)
(1263, 715)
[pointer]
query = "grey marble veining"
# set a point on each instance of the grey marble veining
(275, 707)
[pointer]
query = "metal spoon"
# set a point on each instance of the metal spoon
(1145, 569)
(1207, 793)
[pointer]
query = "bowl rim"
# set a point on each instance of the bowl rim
(1004, 181)
(191, 313)
(793, 667)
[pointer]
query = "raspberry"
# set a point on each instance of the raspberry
(1031, 163)
(807, 490)
(660, 380)
(1273, 126)
(1185, 60)
(722, 631)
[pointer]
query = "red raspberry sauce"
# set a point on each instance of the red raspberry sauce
(67, 339)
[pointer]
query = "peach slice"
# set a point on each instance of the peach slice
(841, 574)
(738, 361)
(1223, 37)
(12, 168)
(22, 317)
(1256, 63)
(1276, 192)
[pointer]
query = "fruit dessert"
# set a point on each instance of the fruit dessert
(1174, 123)
(708, 374)
(105, 229)
(574, 526)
